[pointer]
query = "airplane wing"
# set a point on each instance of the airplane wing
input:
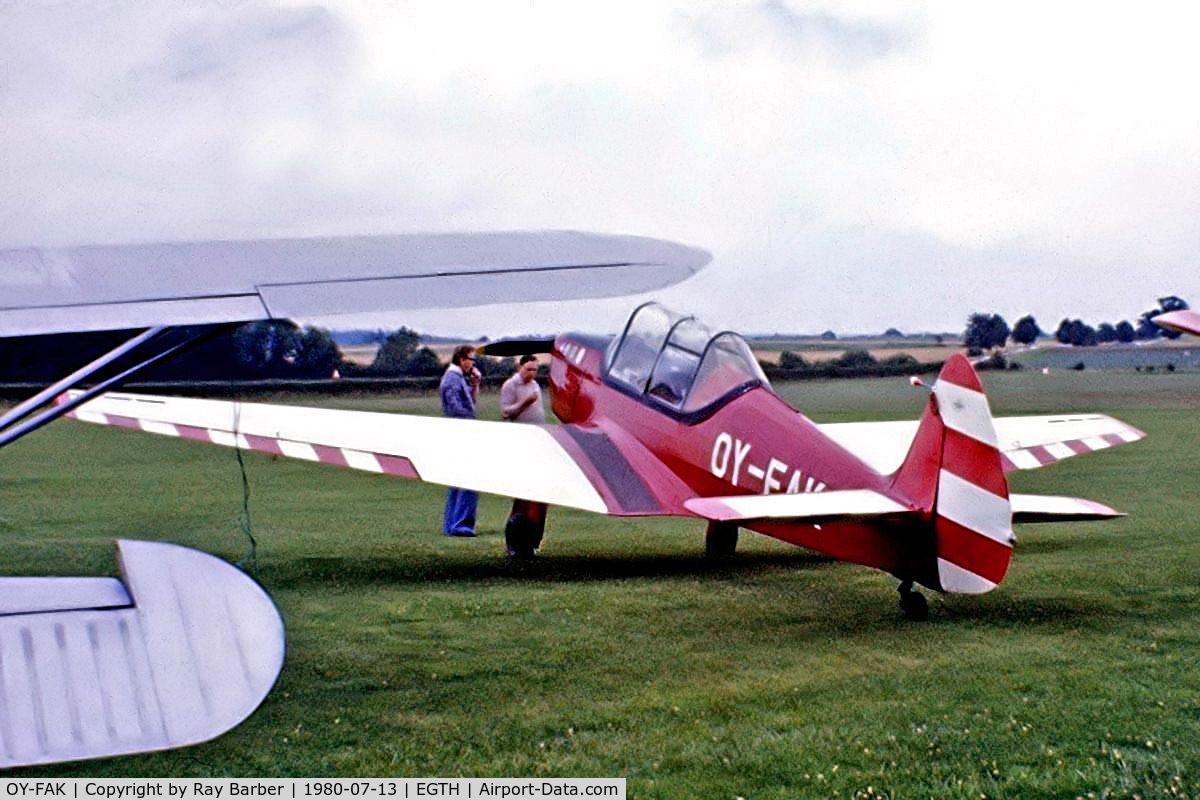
(1025, 442)
(180, 651)
(593, 468)
(105, 287)
(1186, 321)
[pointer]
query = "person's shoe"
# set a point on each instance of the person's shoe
(463, 532)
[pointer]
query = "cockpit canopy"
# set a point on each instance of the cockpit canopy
(678, 362)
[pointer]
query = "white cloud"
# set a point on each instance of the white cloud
(851, 165)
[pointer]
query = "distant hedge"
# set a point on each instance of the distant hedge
(856, 363)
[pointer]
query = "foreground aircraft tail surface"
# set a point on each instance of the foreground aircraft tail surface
(182, 650)
(954, 470)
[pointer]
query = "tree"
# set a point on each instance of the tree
(856, 358)
(267, 349)
(1076, 332)
(1062, 333)
(1146, 328)
(1125, 332)
(318, 353)
(1026, 331)
(1171, 303)
(1106, 332)
(790, 360)
(893, 333)
(397, 348)
(490, 367)
(423, 363)
(985, 331)
(1082, 334)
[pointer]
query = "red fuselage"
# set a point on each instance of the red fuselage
(751, 443)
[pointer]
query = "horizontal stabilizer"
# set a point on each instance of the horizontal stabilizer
(851, 503)
(180, 652)
(504, 348)
(1050, 508)
(1024, 442)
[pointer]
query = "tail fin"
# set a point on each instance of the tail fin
(953, 471)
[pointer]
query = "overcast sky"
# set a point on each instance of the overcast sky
(851, 166)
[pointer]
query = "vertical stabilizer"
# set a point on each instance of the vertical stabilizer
(953, 469)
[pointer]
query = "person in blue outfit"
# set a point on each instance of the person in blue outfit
(460, 391)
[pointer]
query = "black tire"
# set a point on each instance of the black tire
(720, 541)
(914, 605)
(521, 537)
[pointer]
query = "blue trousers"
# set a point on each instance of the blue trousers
(460, 511)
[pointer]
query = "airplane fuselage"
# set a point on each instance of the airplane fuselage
(755, 443)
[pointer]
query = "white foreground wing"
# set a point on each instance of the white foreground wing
(180, 652)
(1024, 442)
(850, 503)
(526, 461)
(101, 287)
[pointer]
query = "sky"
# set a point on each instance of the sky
(850, 166)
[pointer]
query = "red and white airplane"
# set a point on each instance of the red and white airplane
(673, 419)
(185, 646)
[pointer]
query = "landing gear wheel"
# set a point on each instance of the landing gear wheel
(720, 541)
(913, 603)
(520, 538)
(524, 529)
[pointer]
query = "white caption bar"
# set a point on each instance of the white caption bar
(311, 788)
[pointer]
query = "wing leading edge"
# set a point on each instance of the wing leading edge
(102, 287)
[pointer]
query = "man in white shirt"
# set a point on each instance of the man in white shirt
(520, 396)
(521, 401)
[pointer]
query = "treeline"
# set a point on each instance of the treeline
(987, 331)
(401, 354)
(257, 351)
(854, 363)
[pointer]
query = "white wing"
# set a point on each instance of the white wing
(595, 468)
(1025, 442)
(100, 287)
(502, 458)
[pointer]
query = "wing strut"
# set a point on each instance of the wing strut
(158, 337)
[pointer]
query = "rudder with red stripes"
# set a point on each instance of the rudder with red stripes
(954, 471)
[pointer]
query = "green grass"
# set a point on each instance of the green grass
(622, 652)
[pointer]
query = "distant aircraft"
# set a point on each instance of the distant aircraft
(673, 419)
(187, 646)
(1185, 321)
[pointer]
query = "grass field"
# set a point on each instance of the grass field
(622, 652)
